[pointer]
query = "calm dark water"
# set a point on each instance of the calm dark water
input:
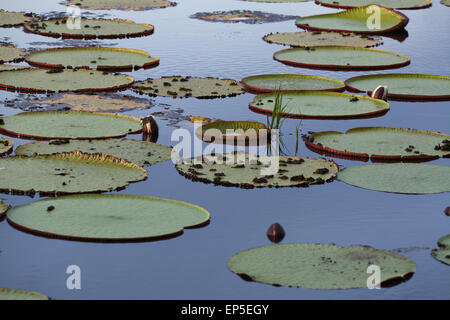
(193, 266)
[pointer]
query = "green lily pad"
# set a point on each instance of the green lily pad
(443, 253)
(135, 5)
(247, 171)
(391, 4)
(10, 294)
(291, 82)
(444, 241)
(66, 173)
(322, 38)
(100, 58)
(89, 28)
(446, 2)
(355, 20)
(4, 207)
(9, 67)
(43, 81)
(14, 19)
(142, 153)
(341, 58)
(48, 125)
(6, 146)
(407, 178)
(107, 218)
(381, 144)
(321, 105)
(244, 16)
(9, 53)
(234, 132)
(404, 86)
(320, 266)
(184, 87)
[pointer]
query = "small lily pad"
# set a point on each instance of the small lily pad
(4, 207)
(444, 241)
(234, 132)
(46, 125)
(14, 294)
(341, 58)
(391, 4)
(14, 19)
(9, 53)
(322, 38)
(320, 266)
(244, 16)
(108, 218)
(142, 153)
(184, 87)
(6, 146)
(135, 5)
(66, 173)
(443, 253)
(407, 178)
(321, 105)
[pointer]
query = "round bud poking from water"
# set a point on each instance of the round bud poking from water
(380, 92)
(447, 211)
(275, 233)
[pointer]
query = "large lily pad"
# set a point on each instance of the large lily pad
(4, 207)
(322, 38)
(6, 146)
(341, 58)
(234, 132)
(391, 4)
(244, 16)
(67, 173)
(9, 53)
(42, 81)
(100, 58)
(10, 67)
(320, 266)
(14, 19)
(246, 171)
(408, 178)
(404, 86)
(14, 294)
(135, 5)
(321, 105)
(184, 87)
(89, 29)
(107, 218)
(47, 125)
(443, 253)
(291, 82)
(142, 153)
(355, 20)
(381, 144)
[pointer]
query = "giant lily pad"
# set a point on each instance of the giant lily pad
(408, 178)
(142, 153)
(321, 105)
(69, 125)
(4, 207)
(391, 4)
(89, 28)
(381, 144)
(248, 171)
(404, 86)
(355, 20)
(244, 16)
(42, 81)
(234, 132)
(183, 87)
(291, 82)
(320, 266)
(66, 173)
(107, 218)
(10, 67)
(321, 38)
(14, 294)
(100, 58)
(443, 253)
(14, 19)
(9, 53)
(341, 58)
(6, 146)
(135, 5)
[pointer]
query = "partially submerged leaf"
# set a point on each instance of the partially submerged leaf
(14, 19)
(4, 207)
(66, 173)
(320, 266)
(446, 2)
(108, 218)
(407, 178)
(14, 294)
(6, 145)
(9, 53)
(135, 5)
(391, 4)
(443, 253)
(244, 16)
(234, 132)
(9, 67)
(444, 241)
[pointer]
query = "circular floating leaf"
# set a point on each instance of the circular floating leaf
(446, 2)
(3, 209)
(234, 132)
(404, 86)
(100, 58)
(108, 218)
(42, 81)
(408, 178)
(6, 145)
(341, 58)
(381, 144)
(444, 241)
(320, 105)
(9, 53)
(291, 82)
(142, 153)
(66, 173)
(183, 87)
(89, 28)
(135, 5)
(356, 20)
(250, 171)
(14, 19)
(319, 266)
(319, 39)
(10, 294)
(244, 16)
(391, 4)
(9, 67)
(47, 125)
